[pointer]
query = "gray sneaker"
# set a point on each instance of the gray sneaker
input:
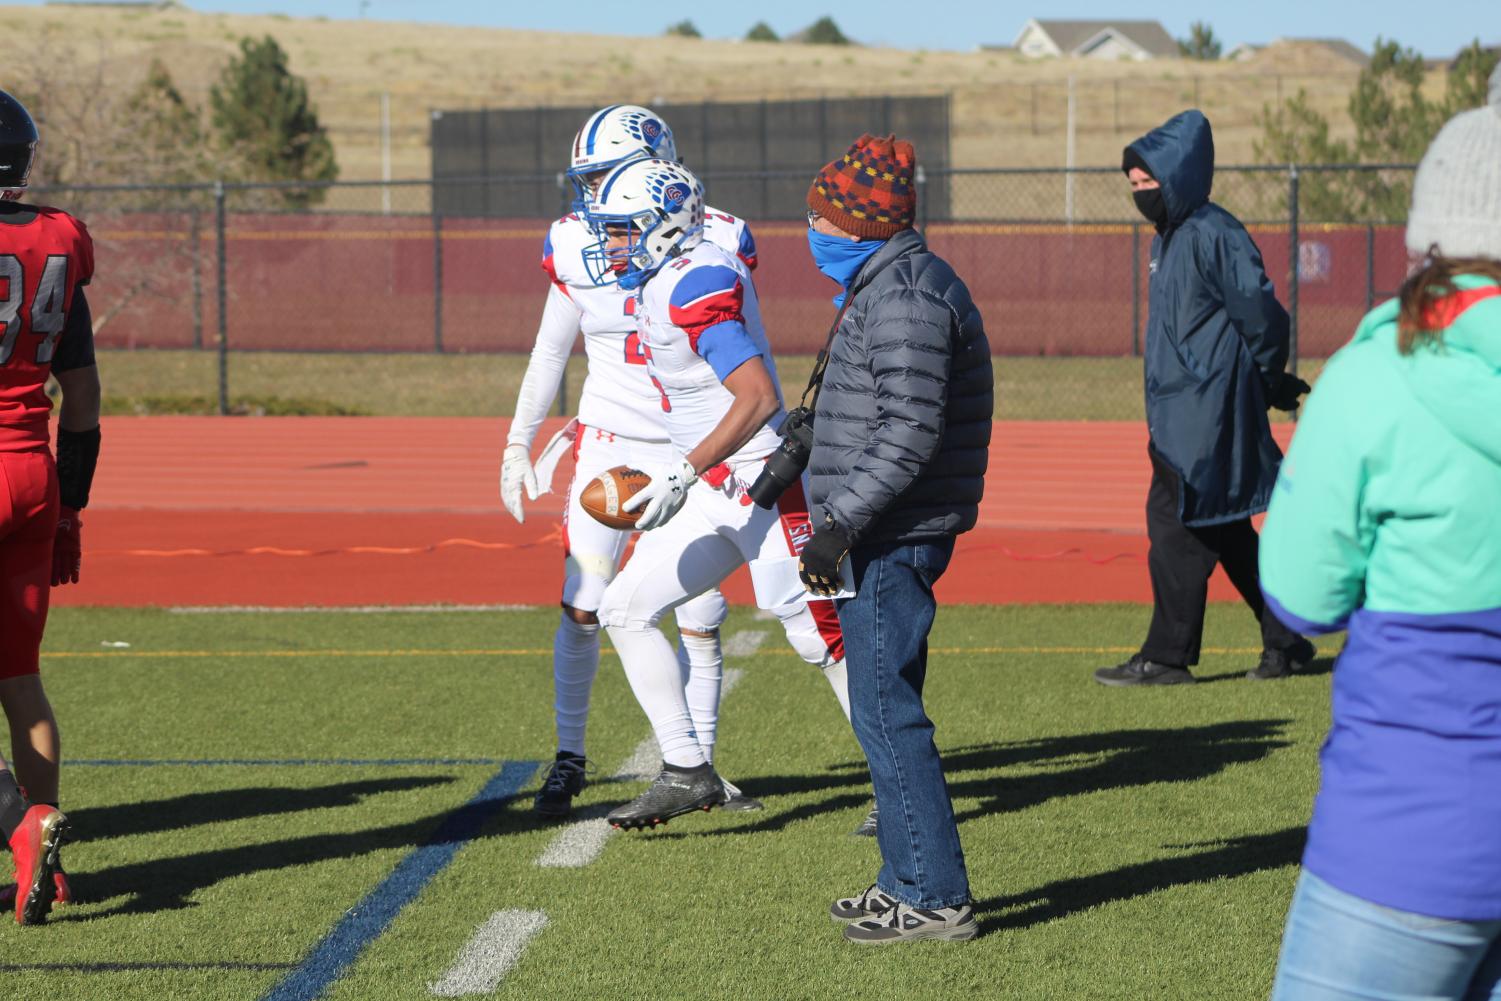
(736, 801)
(1140, 671)
(674, 792)
(900, 923)
(866, 905)
(867, 828)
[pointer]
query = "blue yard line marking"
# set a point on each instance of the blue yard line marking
(276, 762)
(365, 921)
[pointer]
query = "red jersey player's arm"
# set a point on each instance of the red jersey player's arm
(78, 418)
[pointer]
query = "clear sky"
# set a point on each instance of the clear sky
(939, 24)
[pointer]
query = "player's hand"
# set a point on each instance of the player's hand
(67, 548)
(516, 474)
(821, 557)
(664, 496)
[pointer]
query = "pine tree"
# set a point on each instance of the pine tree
(264, 119)
(762, 32)
(825, 32)
(684, 29)
(1200, 43)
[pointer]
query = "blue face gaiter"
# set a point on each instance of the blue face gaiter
(841, 258)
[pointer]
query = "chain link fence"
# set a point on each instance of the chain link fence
(358, 294)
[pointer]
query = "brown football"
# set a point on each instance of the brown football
(604, 496)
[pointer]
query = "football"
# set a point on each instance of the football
(607, 493)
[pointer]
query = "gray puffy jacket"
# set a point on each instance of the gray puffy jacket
(902, 434)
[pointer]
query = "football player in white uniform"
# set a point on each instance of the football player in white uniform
(620, 422)
(707, 354)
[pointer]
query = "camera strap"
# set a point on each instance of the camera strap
(815, 381)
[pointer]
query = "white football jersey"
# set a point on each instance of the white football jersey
(618, 394)
(699, 319)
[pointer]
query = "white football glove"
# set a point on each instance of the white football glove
(515, 474)
(664, 496)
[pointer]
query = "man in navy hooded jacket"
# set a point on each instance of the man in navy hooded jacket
(1217, 342)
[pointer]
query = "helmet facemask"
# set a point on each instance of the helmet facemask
(657, 206)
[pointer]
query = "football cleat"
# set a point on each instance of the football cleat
(737, 801)
(565, 780)
(36, 847)
(63, 896)
(674, 792)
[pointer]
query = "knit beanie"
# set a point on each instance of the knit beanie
(868, 192)
(1456, 198)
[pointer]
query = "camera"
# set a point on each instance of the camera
(786, 464)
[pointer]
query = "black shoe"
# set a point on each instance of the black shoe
(565, 780)
(867, 828)
(674, 792)
(737, 801)
(1140, 671)
(1281, 663)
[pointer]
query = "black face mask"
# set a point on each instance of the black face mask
(1149, 202)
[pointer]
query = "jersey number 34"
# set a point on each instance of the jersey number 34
(47, 314)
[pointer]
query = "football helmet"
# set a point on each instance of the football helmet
(612, 136)
(18, 141)
(659, 204)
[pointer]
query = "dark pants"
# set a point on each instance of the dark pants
(1181, 561)
(886, 629)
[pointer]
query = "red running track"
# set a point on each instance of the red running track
(368, 510)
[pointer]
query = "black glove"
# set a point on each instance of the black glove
(819, 566)
(1283, 390)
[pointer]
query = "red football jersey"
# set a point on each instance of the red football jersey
(41, 262)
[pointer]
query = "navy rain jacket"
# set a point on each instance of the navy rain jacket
(1215, 335)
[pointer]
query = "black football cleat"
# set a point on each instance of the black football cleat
(565, 780)
(736, 801)
(674, 792)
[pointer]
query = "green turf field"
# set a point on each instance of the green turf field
(1121, 843)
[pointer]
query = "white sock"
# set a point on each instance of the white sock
(652, 670)
(701, 666)
(575, 660)
(839, 680)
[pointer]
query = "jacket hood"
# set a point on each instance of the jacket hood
(1180, 155)
(1459, 381)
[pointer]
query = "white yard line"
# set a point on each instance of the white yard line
(581, 841)
(349, 609)
(744, 644)
(492, 953)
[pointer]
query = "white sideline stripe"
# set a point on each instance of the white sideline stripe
(492, 953)
(348, 609)
(743, 644)
(580, 843)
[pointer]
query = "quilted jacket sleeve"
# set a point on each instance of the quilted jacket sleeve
(909, 336)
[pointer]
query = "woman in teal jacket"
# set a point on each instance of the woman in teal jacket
(1386, 521)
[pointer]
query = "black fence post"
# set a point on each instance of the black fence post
(1136, 290)
(438, 279)
(1370, 266)
(195, 236)
(223, 268)
(1293, 255)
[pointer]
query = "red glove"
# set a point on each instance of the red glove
(67, 550)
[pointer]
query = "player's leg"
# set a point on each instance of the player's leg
(812, 627)
(683, 558)
(592, 553)
(701, 666)
(28, 524)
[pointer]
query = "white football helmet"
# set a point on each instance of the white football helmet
(659, 204)
(615, 135)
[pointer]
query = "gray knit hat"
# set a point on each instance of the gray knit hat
(1456, 199)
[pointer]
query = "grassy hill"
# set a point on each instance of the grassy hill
(1007, 111)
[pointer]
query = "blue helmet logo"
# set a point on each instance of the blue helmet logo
(651, 129)
(675, 194)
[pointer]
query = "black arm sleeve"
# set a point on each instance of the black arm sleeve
(77, 454)
(76, 348)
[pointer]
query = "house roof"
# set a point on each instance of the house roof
(1069, 35)
(1338, 46)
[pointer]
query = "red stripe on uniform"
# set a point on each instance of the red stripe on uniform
(797, 526)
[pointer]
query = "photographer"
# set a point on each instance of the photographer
(901, 440)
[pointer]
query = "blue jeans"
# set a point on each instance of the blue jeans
(1340, 947)
(886, 629)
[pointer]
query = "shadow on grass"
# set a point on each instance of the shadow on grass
(1317, 667)
(1222, 860)
(167, 883)
(178, 812)
(1128, 758)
